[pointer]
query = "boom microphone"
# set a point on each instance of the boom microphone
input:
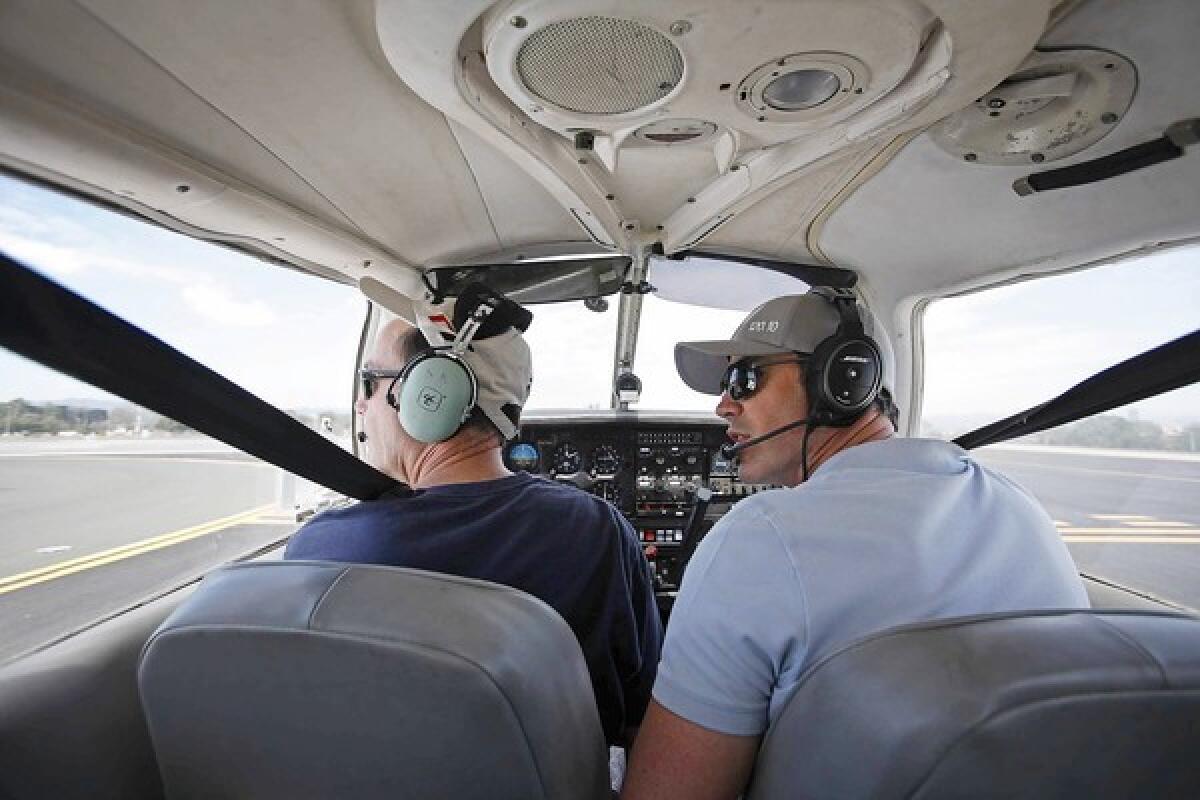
(731, 450)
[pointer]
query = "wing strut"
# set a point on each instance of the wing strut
(1166, 367)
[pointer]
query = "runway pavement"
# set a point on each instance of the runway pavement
(88, 527)
(1132, 519)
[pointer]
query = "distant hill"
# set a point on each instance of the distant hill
(105, 403)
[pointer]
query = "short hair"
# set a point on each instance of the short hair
(411, 344)
(884, 402)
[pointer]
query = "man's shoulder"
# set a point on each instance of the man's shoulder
(338, 519)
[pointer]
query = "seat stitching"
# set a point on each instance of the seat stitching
(1137, 647)
(328, 589)
(1015, 709)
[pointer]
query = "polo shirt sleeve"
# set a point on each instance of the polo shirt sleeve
(739, 621)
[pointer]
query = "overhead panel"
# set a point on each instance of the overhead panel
(986, 231)
(1057, 103)
(596, 99)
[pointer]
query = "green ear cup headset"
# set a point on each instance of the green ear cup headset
(438, 389)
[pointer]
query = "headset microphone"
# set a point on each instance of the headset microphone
(362, 436)
(731, 450)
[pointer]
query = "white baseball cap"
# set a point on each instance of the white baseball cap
(502, 363)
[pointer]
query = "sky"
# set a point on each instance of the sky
(291, 338)
(1000, 351)
(286, 336)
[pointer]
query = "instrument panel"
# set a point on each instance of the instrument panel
(648, 466)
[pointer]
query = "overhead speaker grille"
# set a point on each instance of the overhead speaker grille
(599, 65)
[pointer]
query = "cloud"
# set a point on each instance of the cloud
(64, 261)
(48, 258)
(215, 303)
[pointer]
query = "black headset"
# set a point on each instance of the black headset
(845, 372)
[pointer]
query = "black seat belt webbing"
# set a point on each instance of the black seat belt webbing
(47, 323)
(1166, 367)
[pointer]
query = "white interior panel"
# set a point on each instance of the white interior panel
(51, 44)
(297, 78)
(521, 210)
(930, 221)
(777, 225)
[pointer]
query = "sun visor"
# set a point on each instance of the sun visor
(380, 293)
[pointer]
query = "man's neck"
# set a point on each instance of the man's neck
(465, 458)
(872, 426)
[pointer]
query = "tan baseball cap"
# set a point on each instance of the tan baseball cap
(794, 323)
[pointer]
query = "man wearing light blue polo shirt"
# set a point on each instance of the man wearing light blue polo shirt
(872, 531)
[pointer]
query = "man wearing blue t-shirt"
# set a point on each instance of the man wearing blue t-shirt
(872, 531)
(472, 517)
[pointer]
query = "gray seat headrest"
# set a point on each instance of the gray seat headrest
(302, 679)
(1047, 704)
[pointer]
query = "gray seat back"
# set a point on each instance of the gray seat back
(1053, 704)
(305, 679)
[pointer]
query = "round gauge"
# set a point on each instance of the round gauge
(605, 460)
(567, 459)
(523, 456)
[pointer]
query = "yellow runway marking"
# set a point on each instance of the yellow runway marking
(1135, 532)
(64, 568)
(1058, 523)
(1118, 473)
(1135, 539)
(1158, 523)
(1124, 517)
(138, 458)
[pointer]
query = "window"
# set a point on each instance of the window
(1124, 486)
(696, 299)
(106, 504)
(700, 298)
(572, 355)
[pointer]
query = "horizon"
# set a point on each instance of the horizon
(984, 354)
(1132, 413)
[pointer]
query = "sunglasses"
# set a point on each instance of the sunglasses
(743, 378)
(369, 376)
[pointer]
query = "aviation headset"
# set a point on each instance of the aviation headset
(437, 387)
(437, 391)
(845, 372)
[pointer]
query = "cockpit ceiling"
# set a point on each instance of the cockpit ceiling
(931, 222)
(373, 137)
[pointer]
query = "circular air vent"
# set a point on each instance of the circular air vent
(599, 65)
(1057, 103)
(801, 87)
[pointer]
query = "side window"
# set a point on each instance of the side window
(106, 504)
(1123, 486)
